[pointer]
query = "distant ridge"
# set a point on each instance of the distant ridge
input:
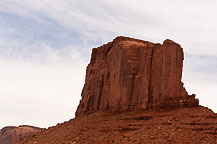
(11, 134)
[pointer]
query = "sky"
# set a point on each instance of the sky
(45, 46)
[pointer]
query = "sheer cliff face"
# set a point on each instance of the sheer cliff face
(128, 74)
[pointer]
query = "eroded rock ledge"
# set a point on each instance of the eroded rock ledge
(128, 74)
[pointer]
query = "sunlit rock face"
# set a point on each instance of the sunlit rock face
(9, 135)
(131, 74)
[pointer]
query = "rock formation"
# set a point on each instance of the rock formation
(128, 74)
(9, 135)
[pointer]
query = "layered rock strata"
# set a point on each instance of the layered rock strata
(128, 74)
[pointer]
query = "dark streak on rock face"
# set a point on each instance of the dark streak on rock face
(128, 74)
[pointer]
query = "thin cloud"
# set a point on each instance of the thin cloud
(40, 92)
(182, 21)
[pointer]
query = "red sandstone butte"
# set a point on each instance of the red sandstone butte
(11, 134)
(131, 74)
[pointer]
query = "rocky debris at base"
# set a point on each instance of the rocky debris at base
(190, 125)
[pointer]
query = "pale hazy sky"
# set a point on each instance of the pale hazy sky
(45, 46)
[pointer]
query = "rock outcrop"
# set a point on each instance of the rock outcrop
(128, 74)
(9, 135)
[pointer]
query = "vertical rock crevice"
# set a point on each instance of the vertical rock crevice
(101, 85)
(150, 94)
